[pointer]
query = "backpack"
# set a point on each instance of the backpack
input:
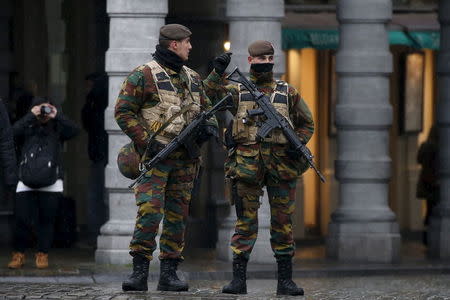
(39, 167)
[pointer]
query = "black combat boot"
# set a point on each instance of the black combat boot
(285, 284)
(238, 285)
(138, 279)
(168, 279)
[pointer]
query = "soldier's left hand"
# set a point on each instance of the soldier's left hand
(221, 62)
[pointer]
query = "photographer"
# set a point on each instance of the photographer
(40, 134)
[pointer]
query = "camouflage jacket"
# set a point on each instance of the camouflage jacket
(139, 91)
(299, 113)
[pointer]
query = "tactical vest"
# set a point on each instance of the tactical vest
(245, 128)
(170, 103)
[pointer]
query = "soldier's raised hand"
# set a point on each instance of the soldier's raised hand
(221, 62)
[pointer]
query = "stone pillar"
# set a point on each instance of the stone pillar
(363, 228)
(249, 21)
(253, 20)
(438, 231)
(134, 31)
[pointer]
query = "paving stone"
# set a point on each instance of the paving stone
(411, 287)
(120, 297)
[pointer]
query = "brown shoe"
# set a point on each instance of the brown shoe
(17, 261)
(41, 260)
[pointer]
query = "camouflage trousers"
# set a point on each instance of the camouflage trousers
(164, 192)
(253, 167)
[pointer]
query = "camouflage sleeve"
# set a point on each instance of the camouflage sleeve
(129, 102)
(300, 115)
(216, 89)
(206, 102)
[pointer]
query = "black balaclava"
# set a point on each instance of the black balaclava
(168, 58)
(261, 73)
(262, 68)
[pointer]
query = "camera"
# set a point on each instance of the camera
(45, 110)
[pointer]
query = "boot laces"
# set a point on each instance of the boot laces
(285, 270)
(139, 268)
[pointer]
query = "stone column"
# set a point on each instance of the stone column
(438, 232)
(253, 20)
(363, 227)
(134, 30)
(249, 21)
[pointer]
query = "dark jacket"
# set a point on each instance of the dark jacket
(30, 131)
(428, 184)
(7, 151)
(93, 119)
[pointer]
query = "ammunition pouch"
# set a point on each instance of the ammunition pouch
(249, 195)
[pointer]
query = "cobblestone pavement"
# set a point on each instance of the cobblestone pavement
(430, 287)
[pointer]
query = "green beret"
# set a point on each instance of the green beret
(174, 32)
(258, 48)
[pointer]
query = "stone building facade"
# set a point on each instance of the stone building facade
(74, 36)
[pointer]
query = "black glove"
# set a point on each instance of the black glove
(221, 62)
(205, 132)
(152, 149)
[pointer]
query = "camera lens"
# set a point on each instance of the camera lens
(45, 110)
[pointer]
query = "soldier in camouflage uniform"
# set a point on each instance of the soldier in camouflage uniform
(150, 95)
(252, 164)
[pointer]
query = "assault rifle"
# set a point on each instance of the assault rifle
(273, 119)
(186, 137)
